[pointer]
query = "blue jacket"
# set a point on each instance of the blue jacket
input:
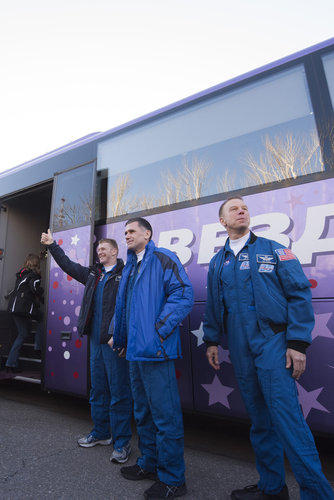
(89, 276)
(162, 297)
(282, 297)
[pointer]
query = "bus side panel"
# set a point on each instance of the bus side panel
(299, 217)
(316, 386)
(215, 392)
(65, 352)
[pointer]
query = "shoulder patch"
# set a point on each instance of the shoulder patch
(285, 254)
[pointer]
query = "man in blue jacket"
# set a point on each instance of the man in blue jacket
(258, 294)
(110, 394)
(154, 296)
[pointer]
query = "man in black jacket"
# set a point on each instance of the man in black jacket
(110, 395)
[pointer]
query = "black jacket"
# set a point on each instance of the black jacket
(89, 276)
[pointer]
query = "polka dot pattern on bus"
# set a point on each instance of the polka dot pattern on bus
(66, 352)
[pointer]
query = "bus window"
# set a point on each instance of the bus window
(72, 199)
(260, 133)
(328, 62)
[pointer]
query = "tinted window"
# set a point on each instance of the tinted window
(329, 70)
(263, 132)
(72, 199)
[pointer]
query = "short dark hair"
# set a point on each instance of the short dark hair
(111, 242)
(221, 208)
(142, 223)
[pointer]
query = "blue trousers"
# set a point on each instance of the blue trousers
(158, 417)
(277, 423)
(23, 326)
(110, 395)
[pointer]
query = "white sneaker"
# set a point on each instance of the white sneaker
(121, 455)
(90, 440)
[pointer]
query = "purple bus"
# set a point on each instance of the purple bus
(267, 136)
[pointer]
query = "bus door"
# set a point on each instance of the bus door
(23, 216)
(72, 224)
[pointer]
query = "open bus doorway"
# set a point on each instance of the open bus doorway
(23, 217)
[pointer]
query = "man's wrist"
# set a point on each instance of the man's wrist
(210, 344)
(298, 345)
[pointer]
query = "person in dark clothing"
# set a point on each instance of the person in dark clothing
(110, 394)
(24, 302)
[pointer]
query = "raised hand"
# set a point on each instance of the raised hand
(46, 238)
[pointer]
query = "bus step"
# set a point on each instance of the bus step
(33, 360)
(29, 379)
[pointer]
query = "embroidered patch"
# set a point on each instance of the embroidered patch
(266, 259)
(266, 268)
(227, 262)
(243, 256)
(244, 264)
(285, 254)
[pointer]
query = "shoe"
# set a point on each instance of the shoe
(253, 493)
(90, 440)
(162, 490)
(121, 455)
(136, 473)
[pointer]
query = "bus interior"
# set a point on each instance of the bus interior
(23, 217)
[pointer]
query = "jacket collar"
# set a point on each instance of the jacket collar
(252, 238)
(149, 249)
(100, 267)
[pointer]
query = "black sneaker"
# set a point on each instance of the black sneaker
(136, 473)
(253, 493)
(162, 490)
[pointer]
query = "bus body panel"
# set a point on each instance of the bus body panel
(297, 216)
(66, 352)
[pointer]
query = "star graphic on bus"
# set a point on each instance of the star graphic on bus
(199, 334)
(218, 392)
(309, 400)
(75, 240)
(295, 200)
(223, 355)
(321, 329)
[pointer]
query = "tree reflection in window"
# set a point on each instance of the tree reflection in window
(284, 158)
(274, 159)
(67, 214)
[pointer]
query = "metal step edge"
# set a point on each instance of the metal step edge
(27, 379)
(34, 360)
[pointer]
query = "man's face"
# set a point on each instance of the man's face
(136, 237)
(235, 217)
(106, 253)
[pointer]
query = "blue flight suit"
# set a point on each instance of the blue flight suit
(258, 357)
(153, 298)
(110, 394)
